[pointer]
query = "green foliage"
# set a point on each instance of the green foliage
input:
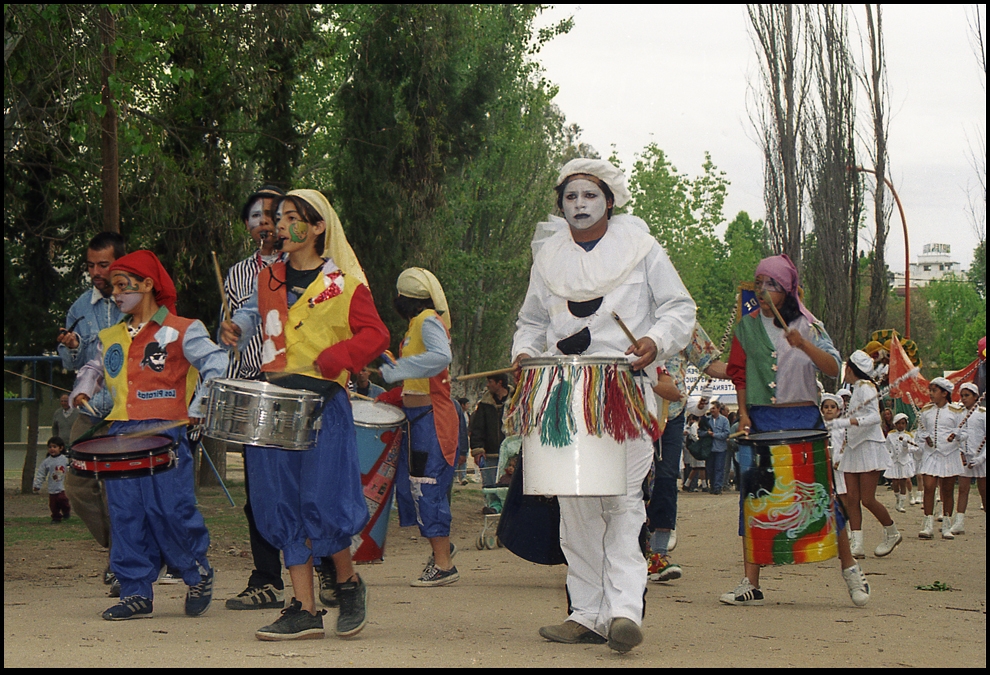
(959, 314)
(977, 273)
(683, 214)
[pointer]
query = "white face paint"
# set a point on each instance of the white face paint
(584, 204)
(127, 301)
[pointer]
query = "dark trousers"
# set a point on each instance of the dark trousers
(267, 558)
(59, 505)
(661, 512)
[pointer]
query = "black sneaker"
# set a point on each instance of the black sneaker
(431, 561)
(745, 595)
(131, 607)
(295, 623)
(434, 576)
(199, 597)
(353, 599)
(327, 573)
(254, 597)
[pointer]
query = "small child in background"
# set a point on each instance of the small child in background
(832, 406)
(53, 469)
(900, 443)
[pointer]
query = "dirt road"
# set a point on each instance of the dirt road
(53, 597)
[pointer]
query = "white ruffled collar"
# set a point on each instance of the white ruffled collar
(574, 274)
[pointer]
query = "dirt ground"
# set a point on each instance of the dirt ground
(53, 597)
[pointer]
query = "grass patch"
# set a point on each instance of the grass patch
(39, 529)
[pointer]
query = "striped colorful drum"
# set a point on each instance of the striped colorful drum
(379, 429)
(788, 515)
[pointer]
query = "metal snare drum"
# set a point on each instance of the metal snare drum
(259, 413)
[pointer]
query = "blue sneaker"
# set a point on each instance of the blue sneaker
(131, 607)
(199, 597)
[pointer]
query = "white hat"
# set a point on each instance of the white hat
(845, 391)
(862, 361)
(900, 416)
(969, 386)
(610, 174)
(833, 398)
(944, 383)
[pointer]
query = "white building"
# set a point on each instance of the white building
(935, 262)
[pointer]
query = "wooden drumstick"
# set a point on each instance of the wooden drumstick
(625, 329)
(223, 295)
(474, 376)
(766, 296)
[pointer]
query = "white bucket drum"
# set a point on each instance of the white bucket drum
(260, 413)
(575, 415)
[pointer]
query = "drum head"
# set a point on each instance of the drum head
(577, 361)
(257, 388)
(117, 445)
(376, 414)
(784, 437)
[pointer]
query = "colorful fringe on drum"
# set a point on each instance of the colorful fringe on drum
(611, 402)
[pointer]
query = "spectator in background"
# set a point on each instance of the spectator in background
(719, 432)
(486, 433)
(63, 419)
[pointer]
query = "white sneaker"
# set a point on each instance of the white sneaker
(958, 524)
(672, 542)
(859, 589)
(899, 503)
(928, 528)
(891, 538)
(947, 528)
(856, 544)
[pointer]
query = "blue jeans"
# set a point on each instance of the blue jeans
(661, 512)
(715, 468)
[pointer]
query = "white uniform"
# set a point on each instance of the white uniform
(837, 444)
(944, 457)
(901, 446)
(631, 273)
(976, 445)
(865, 448)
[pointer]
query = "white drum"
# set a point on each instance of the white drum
(575, 415)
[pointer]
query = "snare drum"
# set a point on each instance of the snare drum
(379, 436)
(260, 413)
(788, 515)
(576, 415)
(122, 456)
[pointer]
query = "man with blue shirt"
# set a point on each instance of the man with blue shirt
(719, 432)
(78, 343)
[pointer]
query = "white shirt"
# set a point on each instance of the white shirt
(636, 280)
(864, 407)
(976, 437)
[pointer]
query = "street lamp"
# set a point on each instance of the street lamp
(907, 256)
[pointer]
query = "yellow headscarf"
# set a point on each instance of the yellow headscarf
(421, 284)
(336, 247)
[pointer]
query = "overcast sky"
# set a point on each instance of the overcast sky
(678, 75)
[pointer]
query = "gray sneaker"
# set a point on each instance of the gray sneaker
(623, 635)
(353, 599)
(295, 623)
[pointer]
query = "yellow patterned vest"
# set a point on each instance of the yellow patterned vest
(295, 336)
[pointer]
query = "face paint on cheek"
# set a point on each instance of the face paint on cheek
(128, 301)
(298, 232)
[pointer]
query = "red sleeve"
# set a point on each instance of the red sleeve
(393, 397)
(370, 338)
(737, 364)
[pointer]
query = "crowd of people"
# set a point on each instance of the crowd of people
(301, 316)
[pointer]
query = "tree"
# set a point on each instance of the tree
(835, 197)
(875, 84)
(959, 314)
(780, 119)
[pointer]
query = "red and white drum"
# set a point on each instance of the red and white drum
(122, 456)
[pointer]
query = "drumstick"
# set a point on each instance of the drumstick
(362, 397)
(766, 296)
(632, 338)
(86, 404)
(223, 295)
(474, 376)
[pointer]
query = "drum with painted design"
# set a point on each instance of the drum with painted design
(379, 428)
(788, 511)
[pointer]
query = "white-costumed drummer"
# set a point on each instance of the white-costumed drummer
(583, 270)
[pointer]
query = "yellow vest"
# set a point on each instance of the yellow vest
(411, 345)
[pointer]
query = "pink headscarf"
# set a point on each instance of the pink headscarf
(782, 270)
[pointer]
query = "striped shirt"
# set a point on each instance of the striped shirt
(240, 285)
